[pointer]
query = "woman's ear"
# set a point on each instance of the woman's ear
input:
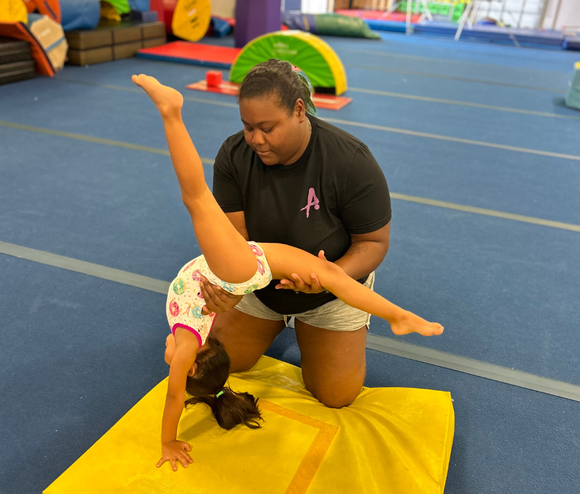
(300, 110)
(193, 370)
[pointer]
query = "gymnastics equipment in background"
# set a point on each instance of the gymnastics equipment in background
(50, 36)
(13, 11)
(113, 41)
(112, 10)
(213, 83)
(403, 445)
(16, 62)
(305, 51)
(255, 18)
(19, 31)
(80, 14)
(329, 25)
(50, 8)
(187, 19)
(573, 96)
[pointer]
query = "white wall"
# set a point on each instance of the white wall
(514, 13)
(568, 15)
(316, 6)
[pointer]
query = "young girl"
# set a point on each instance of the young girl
(198, 364)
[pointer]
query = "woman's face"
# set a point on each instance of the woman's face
(271, 131)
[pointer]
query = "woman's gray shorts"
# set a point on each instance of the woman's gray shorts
(334, 315)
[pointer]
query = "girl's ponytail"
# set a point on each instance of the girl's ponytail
(207, 386)
(231, 408)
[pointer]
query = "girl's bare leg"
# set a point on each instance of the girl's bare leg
(285, 260)
(227, 253)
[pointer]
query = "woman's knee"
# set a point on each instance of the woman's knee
(336, 398)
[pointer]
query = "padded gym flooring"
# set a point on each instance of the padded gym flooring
(483, 162)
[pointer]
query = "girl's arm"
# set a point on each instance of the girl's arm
(181, 365)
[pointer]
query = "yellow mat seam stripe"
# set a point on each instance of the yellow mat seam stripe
(315, 454)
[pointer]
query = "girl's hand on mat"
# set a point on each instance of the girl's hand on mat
(216, 299)
(173, 452)
(299, 285)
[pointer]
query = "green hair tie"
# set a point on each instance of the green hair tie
(310, 108)
(219, 394)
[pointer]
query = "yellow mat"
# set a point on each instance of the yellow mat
(390, 440)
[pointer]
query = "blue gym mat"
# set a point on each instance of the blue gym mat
(78, 351)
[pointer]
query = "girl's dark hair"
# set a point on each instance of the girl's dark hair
(230, 408)
(276, 77)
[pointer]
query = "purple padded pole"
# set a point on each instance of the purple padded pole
(254, 18)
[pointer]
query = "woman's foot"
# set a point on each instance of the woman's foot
(412, 323)
(168, 100)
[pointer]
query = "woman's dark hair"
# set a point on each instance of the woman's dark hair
(230, 408)
(276, 77)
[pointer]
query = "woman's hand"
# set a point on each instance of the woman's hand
(299, 285)
(174, 451)
(216, 299)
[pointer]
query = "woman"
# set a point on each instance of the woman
(291, 178)
(239, 267)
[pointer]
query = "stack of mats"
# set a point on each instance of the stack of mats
(389, 441)
(113, 41)
(16, 62)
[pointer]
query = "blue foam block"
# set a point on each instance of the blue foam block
(391, 26)
(571, 43)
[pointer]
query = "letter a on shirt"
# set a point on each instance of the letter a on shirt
(312, 201)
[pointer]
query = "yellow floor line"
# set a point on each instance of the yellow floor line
(446, 60)
(140, 91)
(461, 103)
(462, 79)
(454, 139)
(487, 212)
(96, 140)
(394, 195)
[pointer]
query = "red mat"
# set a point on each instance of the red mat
(194, 53)
(322, 101)
(380, 15)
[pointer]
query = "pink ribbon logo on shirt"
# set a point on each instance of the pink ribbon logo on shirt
(312, 201)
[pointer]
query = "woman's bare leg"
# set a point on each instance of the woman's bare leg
(226, 251)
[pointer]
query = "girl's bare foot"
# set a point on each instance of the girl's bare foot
(412, 323)
(168, 100)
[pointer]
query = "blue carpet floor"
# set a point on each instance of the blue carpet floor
(84, 173)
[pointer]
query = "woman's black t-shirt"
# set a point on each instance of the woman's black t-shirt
(335, 189)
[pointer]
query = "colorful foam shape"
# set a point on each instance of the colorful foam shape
(329, 25)
(50, 35)
(13, 11)
(389, 441)
(121, 6)
(50, 8)
(221, 57)
(306, 51)
(191, 19)
(17, 30)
